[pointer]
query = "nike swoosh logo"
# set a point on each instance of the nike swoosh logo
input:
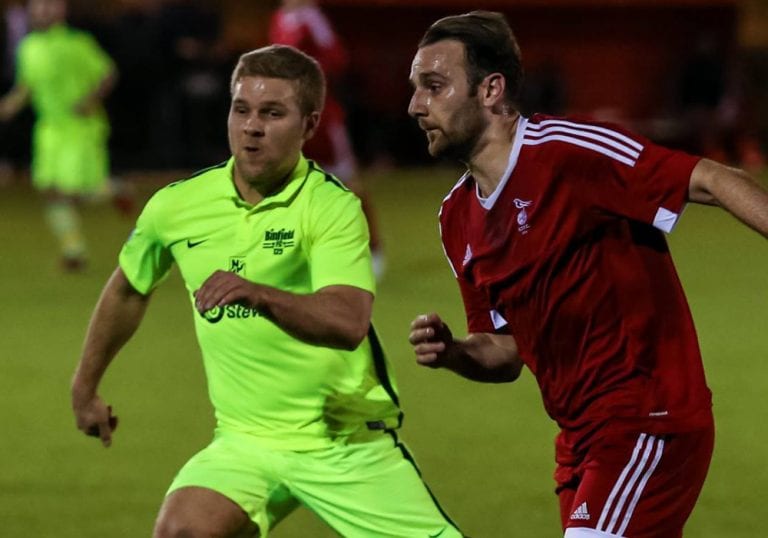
(438, 534)
(191, 244)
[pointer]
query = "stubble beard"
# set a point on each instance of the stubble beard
(468, 126)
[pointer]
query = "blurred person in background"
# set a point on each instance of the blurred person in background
(556, 237)
(302, 24)
(65, 75)
(274, 253)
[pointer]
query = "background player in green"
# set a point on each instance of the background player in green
(65, 75)
(274, 254)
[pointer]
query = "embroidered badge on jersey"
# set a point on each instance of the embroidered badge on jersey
(522, 217)
(278, 240)
(237, 265)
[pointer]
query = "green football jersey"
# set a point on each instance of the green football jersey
(309, 235)
(61, 66)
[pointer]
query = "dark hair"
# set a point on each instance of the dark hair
(490, 47)
(289, 63)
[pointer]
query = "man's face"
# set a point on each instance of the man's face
(266, 129)
(44, 13)
(441, 101)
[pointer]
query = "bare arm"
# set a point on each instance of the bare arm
(334, 316)
(116, 317)
(490, 358)
(13, 102)
(732, 189)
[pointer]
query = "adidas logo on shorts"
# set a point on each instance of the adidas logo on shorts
(581, 512)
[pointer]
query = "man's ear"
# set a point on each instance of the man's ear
(492, 90)
(311, 121)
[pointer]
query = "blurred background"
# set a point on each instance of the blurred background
(692, 74)
(689, 73)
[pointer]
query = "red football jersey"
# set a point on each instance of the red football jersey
(568, 256)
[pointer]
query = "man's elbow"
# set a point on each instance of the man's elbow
(505, 373)
(512, 371)
(352, 336)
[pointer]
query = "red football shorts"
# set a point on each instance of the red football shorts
(635, 486)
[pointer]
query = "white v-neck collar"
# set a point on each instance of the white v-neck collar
(514, 153)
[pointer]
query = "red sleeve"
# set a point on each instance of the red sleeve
(632, 177)
(476, 308)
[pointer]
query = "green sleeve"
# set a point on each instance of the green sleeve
(99, 63)
(144, 258)
(339, 253)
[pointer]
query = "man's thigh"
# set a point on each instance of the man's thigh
(639, 486)
(369, 489)
(194, 511)
(243, 473)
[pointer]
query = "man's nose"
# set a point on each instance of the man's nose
(253, 126)
(416, 106)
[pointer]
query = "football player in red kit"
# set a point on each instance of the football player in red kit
(556, 237)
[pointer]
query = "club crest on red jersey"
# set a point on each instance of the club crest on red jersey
(522, 217)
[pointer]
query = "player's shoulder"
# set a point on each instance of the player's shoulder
(196, 184)
(561, 137)
(30, 42)
(324, 184)
(576, 121)
(326, 198)
(71, 35)
(459, 195)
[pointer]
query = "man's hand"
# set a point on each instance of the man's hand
(431, 339)
(95, 418)
(223, 288)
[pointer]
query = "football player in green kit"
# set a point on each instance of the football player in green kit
(65, 76)
(274, 253)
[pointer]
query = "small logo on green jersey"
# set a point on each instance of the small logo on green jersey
(237, 265)
(230, 311)
(278, 240)
(193, 244)
(213, 315)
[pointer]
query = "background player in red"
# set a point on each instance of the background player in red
(555, 236)
(302, 24)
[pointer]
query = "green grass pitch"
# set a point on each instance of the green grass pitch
(486, 451)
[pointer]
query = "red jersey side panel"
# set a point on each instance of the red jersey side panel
(569, 252)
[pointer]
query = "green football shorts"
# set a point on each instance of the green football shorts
(70, 155)
(370, 489)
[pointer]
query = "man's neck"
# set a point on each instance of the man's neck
(255, 191)
(491, 156)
